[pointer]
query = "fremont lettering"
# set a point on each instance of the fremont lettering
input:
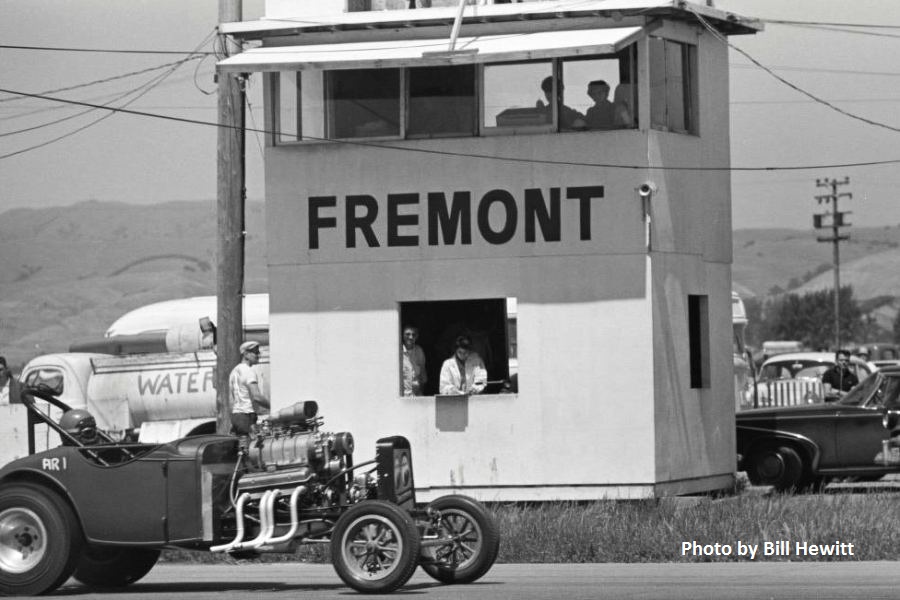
(537, 215)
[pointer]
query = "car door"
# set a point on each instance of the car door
(860, 430)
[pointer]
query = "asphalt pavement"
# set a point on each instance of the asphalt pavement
(777, 580)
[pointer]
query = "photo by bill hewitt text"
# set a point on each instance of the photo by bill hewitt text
(774, 549)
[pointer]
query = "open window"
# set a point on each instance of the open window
(519, 96)
(489, 323)
(698, 340)
(602, 90)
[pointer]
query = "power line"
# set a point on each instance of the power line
(147, 87)
(515, 159)
(824, 23)
(897, 99)
(818, 70)
(851, 31)
(108, 79)
(797, 88)
(99, 50)
(98, 99)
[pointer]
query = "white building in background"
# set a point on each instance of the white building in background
(407, 183)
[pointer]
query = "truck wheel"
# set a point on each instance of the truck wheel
(375, 547)
(778, 466)
(471, 541)
(105, 566)
(40, 540)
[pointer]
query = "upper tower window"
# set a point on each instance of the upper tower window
(673, 86)
(363, 103)
(442, 101)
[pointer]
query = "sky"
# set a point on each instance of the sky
(147, 160)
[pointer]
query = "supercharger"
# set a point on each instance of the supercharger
(291, 450)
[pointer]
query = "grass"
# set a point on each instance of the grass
(654, 530)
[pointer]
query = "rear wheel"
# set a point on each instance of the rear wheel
(105, 566)
(40, 540)
(470, 541)
(778, 466)
(375, 547)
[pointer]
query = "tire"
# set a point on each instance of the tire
(40, 540)
(107, 566)
(778, 466)
(375, 547)
(472, 541)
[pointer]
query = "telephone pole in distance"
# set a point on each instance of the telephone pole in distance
(833, 219)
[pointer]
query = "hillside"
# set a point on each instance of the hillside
(767, 260)
(67, 273)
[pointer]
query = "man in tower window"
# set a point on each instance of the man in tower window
(463, 372)
(412, 363)
(569, 118)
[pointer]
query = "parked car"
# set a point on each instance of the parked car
(881, 364)
(878, 350)
(796, 378)
(802, 446)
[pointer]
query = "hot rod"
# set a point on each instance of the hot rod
(102, 511)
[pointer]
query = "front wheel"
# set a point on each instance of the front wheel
(465, 542)
(40, 540)
(375, 547)
(114, 567)
(778, 466)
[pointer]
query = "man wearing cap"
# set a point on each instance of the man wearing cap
(246, 396)
(464, 372)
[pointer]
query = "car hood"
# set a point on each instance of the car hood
(800, 410)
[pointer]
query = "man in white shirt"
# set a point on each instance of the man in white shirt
(464, 372)
(246, 397)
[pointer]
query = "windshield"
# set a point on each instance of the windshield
(793, 369)
(858, 395)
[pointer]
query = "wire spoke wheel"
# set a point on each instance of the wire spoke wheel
(463, 541)
(375, 547)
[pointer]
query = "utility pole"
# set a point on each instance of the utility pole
(836, 218)
(230, 198)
